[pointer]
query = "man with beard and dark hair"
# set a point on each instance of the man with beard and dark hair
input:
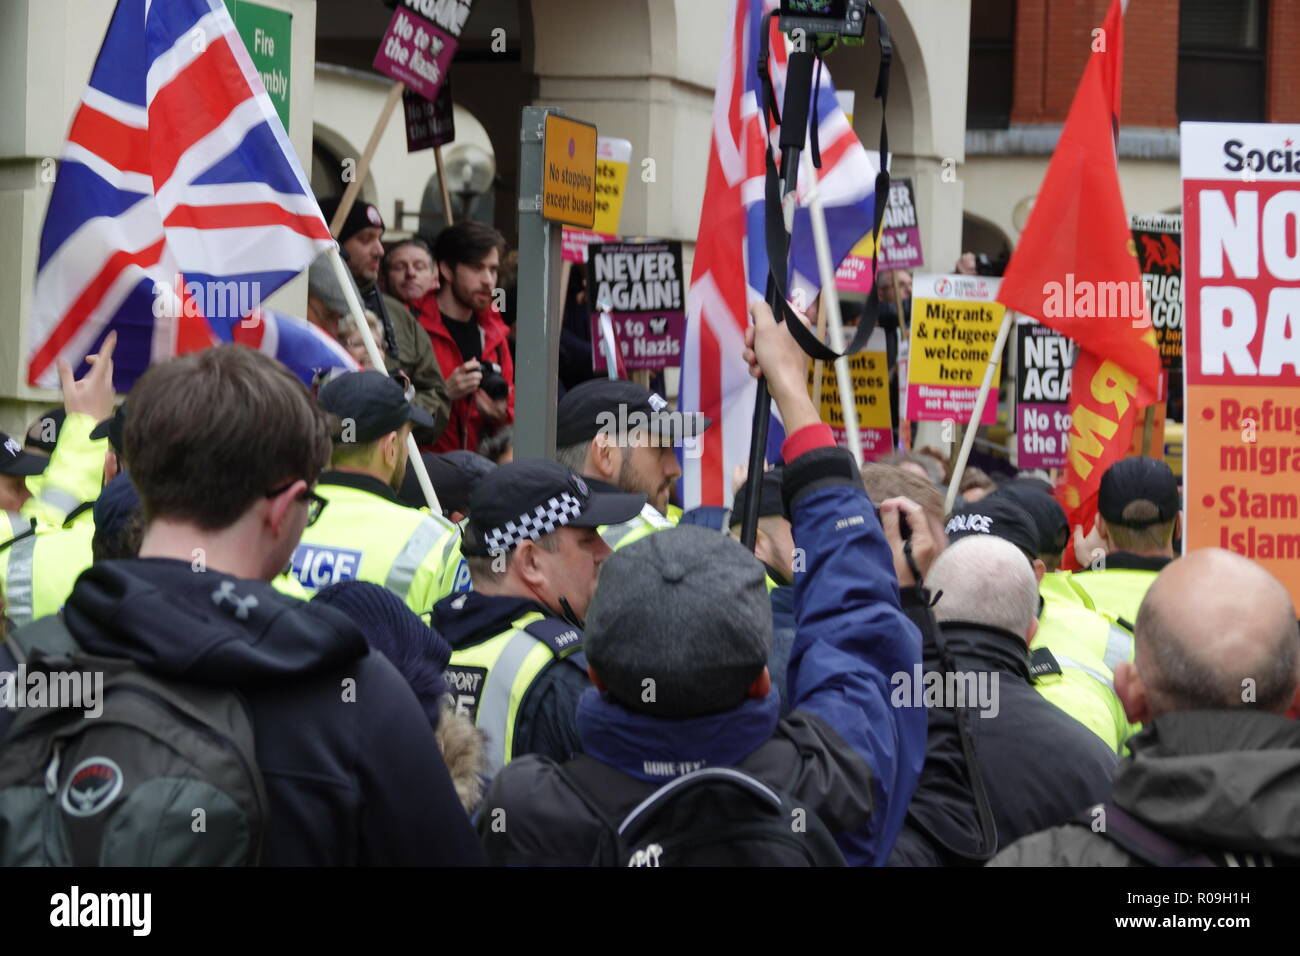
(368, 533)
(468, 334)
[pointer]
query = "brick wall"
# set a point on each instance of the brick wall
(1054, 40)
(1282, 85)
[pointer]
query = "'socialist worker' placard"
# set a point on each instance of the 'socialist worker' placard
(954, 327)
(569, 172)
(642, 282)
(1044, 358)
(869, 370)
(1241, 271)
(1158, 240)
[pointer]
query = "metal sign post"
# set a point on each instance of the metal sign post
(537, 331)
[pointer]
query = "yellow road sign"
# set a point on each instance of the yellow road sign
(569, 176)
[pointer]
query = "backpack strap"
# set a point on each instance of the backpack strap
(1139, 839)
(46, 637)
(586, 776)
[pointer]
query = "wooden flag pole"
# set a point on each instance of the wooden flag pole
(442, 183)
(1148, 426)
(377, 360)
(363, 167)
(968, 439)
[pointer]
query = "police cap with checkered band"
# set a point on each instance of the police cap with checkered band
(526, 499)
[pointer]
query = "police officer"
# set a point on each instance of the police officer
(366, 533)
(1139, 514)
(534, 553)
(45, 535)
(622, 436)
(1075, 650)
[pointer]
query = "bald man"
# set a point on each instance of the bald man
(1009, 762)
(1214, 778)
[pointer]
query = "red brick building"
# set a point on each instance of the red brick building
(1184, 60)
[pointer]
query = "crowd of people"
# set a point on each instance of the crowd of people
(563, 667)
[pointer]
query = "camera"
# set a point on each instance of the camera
(493, 382)
(988, 266)
(840, 18)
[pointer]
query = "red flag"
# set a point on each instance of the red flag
(1075, 269)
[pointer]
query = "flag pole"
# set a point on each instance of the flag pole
(377, 360)
(363, 165)
(831, 296)
(968, 439)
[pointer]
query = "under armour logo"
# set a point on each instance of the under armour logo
(13, 447)
(227, 593)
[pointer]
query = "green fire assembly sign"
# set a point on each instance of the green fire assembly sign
(268, 34)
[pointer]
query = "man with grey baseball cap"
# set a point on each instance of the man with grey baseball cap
(677, 645)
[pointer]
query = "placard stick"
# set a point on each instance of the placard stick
(363, 166)
(968, 439)
(817, 363)
(442, 183)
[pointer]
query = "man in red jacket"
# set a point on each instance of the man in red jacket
(469, 337)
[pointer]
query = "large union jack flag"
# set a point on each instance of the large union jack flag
(179, 204)
(730, 268)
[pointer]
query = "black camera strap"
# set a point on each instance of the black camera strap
(774, 221)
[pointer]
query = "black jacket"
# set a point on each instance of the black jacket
(353, 774)
(547, 722)
(1223, 781)
(1039, 766)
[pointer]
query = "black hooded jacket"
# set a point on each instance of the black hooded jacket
(352, 770)
(547, 719)
(1039, 766)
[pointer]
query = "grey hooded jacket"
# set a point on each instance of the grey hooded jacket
(1224, 781)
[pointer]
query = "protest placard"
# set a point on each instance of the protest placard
(612, 158)
(1044, 359)
(955, 323)
(1241, 263)
(900, 242)
(420, 42)
(869, 372)
(642, 283)
(429, 124)
(1158, 239)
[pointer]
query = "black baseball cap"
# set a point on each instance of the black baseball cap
(15, 461)
(49, 420)
(112, 428)
(453, 475)
(1000, 517)
(1138, 479)
(529, 498)
(1035, 496)
(587, 409)
(373, 401)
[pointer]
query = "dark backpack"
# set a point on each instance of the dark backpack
(715, 816)
(166, 775)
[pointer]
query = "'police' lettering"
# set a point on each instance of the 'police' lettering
(316, 566)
